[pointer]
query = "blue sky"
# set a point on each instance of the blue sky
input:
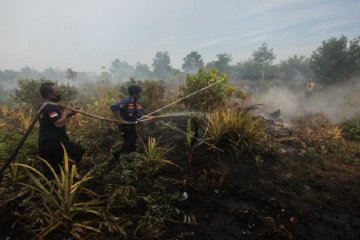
(88, 34)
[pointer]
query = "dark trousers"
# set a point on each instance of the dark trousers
(51, 150)
(128, 133)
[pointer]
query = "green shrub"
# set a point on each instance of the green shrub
(10, 139)
(28, 92)
(210, 97)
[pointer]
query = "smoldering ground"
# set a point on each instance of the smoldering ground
(337, 102)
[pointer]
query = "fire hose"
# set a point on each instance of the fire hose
(33, 122)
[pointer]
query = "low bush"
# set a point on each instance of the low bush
(351, 128)
(235, 130)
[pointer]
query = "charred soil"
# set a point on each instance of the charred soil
(285, 194)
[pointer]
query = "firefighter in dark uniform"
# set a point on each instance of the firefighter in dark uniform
(53, 130)
(127, 112)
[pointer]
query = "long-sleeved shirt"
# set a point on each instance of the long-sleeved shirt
(129, 109)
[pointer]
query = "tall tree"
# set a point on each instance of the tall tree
(193, 62)
(222, 64)
(4, 95)
(71, 75)
(336, 59)
(142, 72)
(29, 73)
(264, 57)
(295, 67)
(9, 75)
(54, 74)
(121, 70)
(248, 70)
(161, 66)
(104, 77)
(26, 92)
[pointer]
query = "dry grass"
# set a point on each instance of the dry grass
(25, 118)
(319, 137)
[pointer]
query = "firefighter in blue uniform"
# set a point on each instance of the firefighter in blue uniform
(127, 112)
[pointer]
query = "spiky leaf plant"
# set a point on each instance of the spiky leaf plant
(155, 156)
(351, 128)
(246, 132)
(25, 118)
(235, 130)
(5, 110)
(60, 208)
(16, 173)
(217, 127)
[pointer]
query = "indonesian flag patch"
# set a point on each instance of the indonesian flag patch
(53, 114)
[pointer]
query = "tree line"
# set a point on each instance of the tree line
(335, 60)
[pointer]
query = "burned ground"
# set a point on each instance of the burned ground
(289, 192)
(286, 196)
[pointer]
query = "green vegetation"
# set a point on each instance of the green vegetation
(193, 63)
(155, 156)
(56, 207)
(296, 166)
(319, 137)
(235, 131)
(336, 60)
(211, 97)
(27, 92)
(264, 57)
(351, 128)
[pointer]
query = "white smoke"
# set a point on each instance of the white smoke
(337, 102)
(279, 98)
